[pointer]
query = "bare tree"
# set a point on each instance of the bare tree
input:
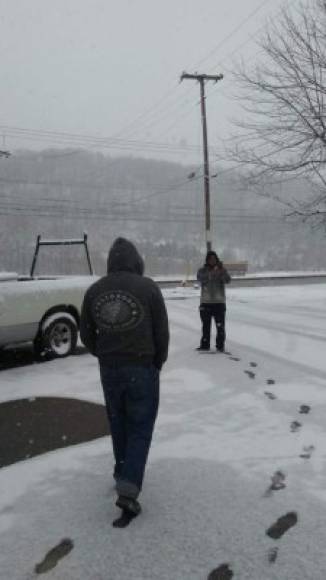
(283, 131)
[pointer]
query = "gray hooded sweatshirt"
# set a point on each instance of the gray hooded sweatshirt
(213, 284)
(124, 319)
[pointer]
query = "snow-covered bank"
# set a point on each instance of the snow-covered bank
(227, 424)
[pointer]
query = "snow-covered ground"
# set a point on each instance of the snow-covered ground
(264, 274)
(227, 424)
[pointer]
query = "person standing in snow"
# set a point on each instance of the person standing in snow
(212, 277)
(124, 324)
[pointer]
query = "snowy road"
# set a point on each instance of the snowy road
(240, 442)
(275, 321)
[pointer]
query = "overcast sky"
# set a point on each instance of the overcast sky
(111, 68)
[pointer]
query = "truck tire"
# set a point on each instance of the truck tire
(57, 337)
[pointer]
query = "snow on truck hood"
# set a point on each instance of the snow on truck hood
(6, 276)
(35, 285)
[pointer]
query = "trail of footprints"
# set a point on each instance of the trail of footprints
(296, 425)
(275, 531)
(278, 482)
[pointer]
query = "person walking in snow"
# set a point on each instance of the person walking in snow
(124, 324)
(212, 277)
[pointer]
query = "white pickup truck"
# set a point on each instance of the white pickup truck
(43, 311)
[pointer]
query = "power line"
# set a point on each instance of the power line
(223, 41)
(172, 187)
(159, 192)
(111, 216)
(193, 66)
(81, 185)
(163, 99)
(20, 203)
(168, 190)
(232, 33)
(212, 69)
(146, 112)
(254, 56)
(161, 189)
(63, 138)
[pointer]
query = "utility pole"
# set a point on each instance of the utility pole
(201, 78)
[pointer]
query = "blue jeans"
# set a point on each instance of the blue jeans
(132, 397)
(217, 312)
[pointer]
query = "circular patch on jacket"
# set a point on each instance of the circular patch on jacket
(118, 311)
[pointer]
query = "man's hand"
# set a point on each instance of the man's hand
(218, 266)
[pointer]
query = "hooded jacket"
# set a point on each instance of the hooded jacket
(213, 281)
(124, 318)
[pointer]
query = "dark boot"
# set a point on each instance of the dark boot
(128, 504)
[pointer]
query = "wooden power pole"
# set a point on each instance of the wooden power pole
(201, 78)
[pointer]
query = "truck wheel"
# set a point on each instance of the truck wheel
(57, 337)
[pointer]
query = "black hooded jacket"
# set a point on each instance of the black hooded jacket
(124, 318)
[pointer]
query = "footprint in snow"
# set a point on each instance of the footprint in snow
(304, 409)
(278, 482)
(253, 364)
(282, 525)
(272, 555)
(234, 358)
(270, 382)
(54, 555)
(295, 426)
(307, 451)
(270, 395)
(250, 374)
(223, 572)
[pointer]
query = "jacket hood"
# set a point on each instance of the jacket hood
(211, 253)
(124, 257)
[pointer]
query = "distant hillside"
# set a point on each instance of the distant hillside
(157, 204)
